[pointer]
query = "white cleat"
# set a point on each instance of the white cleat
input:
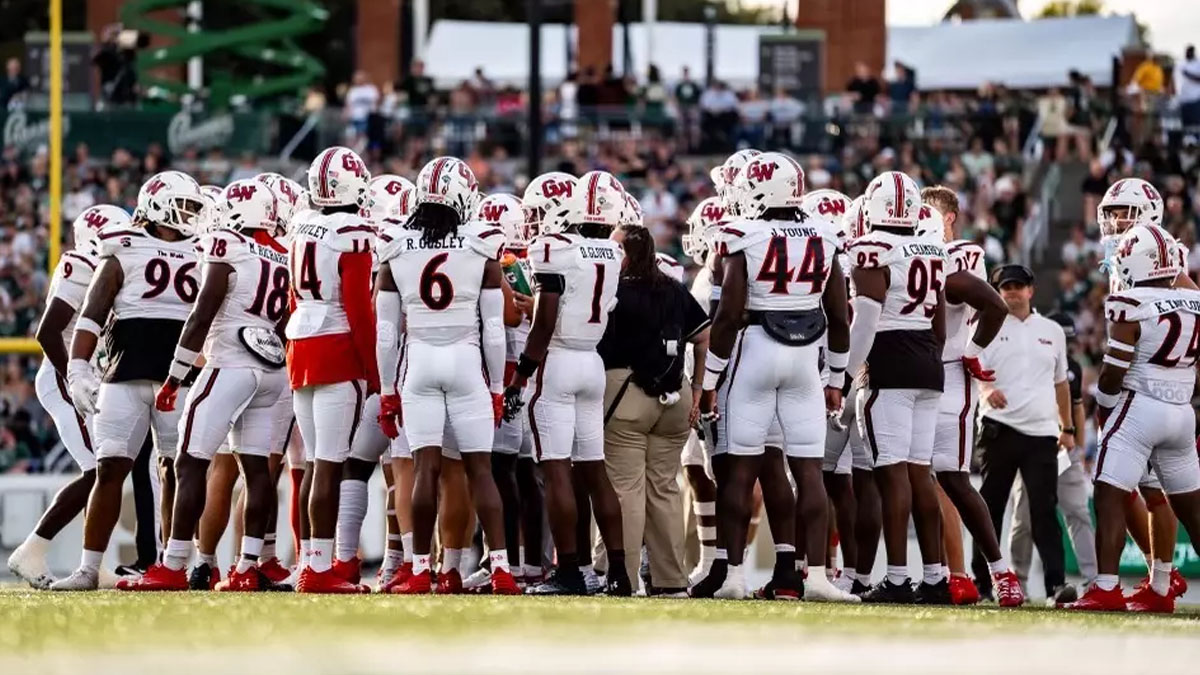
(481, 578)
(79, 580)
(844, 582)
(818, 589)
(107, 579)
(734, 587)
(31, 567)
(699, 572)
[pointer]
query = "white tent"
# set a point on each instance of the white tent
(1014, 52)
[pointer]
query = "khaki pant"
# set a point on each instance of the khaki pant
(643, 442)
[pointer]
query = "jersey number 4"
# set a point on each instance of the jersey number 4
(305, 277)
(776, 272)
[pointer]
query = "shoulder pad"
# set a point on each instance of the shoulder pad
(389, 243)
(111, 242)
(966, 256)
(1122, 307)
(485, 240)
(551, 253)
(223, 246)
(871, 251)
(741, 235)
(87, 260)
(351, 234)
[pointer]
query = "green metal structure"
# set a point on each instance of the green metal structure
(270, 41)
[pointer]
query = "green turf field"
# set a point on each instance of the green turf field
(215, 633)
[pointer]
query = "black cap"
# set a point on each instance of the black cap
(1012, 273)
(1067, 323)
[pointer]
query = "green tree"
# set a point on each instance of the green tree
(1062, 8)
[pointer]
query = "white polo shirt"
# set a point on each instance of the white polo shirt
(1029, 358)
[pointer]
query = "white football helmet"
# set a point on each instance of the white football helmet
(338, 177)
(770, 180)
(173, 200)
(855, 220)
(706, 219)
(504, 211)
(249, 204)
(930, 226)
(95, 218)
(545, 194)
(1145, 253)
(827, 203)
(450, 182)
(293, 198)
(892, 200)
(631, 215)
(725, 179)
(389, 200)
(598, 199)
(1128, 202)
(212, 211)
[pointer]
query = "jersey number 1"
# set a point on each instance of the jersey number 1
(775, 268)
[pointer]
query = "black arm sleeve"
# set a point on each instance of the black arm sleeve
(549, 283)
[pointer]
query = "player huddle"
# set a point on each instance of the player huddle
(451, 338)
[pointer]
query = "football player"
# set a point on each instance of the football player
(1147, 379)
(576, 268)
(703, 225)
(147, 280)
(441, 279)
(331, 347)
(898, 331)
(969, 299)
(68, 287)
(235, 324)
(388, 204)
(779, 267)
(1129, 202)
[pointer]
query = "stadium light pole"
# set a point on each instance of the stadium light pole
(534, 10)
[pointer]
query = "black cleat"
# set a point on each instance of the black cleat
(858, 588)
(617, 587)
(885, 592)
(790, 587)
(203, 578)
(1064, 594)
(933, 594)
(559, 584)
(709, 585)
(134, 570)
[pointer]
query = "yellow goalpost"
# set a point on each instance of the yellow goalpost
(15, 345)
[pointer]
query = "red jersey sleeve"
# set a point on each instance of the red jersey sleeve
(360, 312)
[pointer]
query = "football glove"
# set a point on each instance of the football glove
(82, 384)
(976, 369)
(164, 400)
(390, 415)
(512, 403)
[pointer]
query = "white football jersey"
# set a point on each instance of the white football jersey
(963, 256)
(257, 295)
(317, 243)
(916, 274)
(1164, 358)
(702, 286)
(590, 269)
(669, 266)
(70, 284)
(440, 282)
(161, 279)
(787, 263)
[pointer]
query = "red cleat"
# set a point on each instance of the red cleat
(1146, 600)
(275, 572)
(158, 578)
(325, 582)
(449, 583)
(503, 583)
(1179, 585)
(401, 575)
(349, 570)
(1097, 599)
(962, 590)
(1008, 589)
(416, 584)
(240, 582)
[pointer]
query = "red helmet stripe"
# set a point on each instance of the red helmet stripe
(900, 206)
(1162, 246)
(323, 175)
(436, 173)
(799, 191)
(593, 184)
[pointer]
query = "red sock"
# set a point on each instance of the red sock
(297, 476)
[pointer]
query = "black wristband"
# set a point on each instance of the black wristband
(1068, 430)
(527, 366)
